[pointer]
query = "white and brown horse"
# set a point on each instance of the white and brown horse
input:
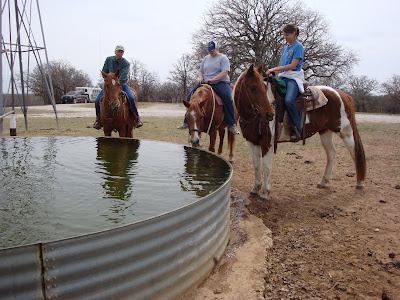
(116, 112)
(254, 101)
(204, 114)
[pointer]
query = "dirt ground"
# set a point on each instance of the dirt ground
(310, 243)
(331, 243)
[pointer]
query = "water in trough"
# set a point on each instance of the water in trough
(59, 187)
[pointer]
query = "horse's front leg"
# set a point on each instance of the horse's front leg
(327, 143)
(122, 131)
(256, 155)
(107, 131)
(213, 137)
(267, 168)
(221, 132)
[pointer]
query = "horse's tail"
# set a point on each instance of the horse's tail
(359, 154)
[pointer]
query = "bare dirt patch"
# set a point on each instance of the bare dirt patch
(332, 243)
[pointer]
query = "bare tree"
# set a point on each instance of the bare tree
(64, 77)
(250, 31)
(144, 82)
(362, 88)
(183, 74)
(169, 92)
(392, 88)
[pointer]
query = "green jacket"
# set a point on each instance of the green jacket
(112, 65)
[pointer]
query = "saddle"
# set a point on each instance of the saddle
(217, 98)
(311, 99)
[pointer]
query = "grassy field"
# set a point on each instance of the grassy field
(164, 129)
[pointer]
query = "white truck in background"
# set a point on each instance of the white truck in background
(91, 92)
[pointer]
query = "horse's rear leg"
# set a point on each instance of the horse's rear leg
(327, 143)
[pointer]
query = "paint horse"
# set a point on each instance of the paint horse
(204, 114)
(116, 112)
(255, 102)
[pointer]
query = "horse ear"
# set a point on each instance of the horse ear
(103, 74)
(117, 73)
(260, 69)
(251, 69)
(187, 104)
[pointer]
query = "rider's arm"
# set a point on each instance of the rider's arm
(288, 67)
(220, 76)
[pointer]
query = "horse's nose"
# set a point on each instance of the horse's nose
(195, 141)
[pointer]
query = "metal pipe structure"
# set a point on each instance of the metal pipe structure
(32, 46)
(1, 68)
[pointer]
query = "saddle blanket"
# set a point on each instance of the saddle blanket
(320, 99)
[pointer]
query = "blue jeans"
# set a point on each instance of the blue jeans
(127, 90)
(223, 89)
(292, 89)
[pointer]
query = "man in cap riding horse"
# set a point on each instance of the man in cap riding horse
(112, 64)
(214, 70)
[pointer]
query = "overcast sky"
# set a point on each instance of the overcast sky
(158, 32)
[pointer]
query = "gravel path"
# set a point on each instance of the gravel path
(164, 110)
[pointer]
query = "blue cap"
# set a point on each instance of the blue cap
(211, 46)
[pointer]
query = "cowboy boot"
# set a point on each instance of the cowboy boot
(97, 125)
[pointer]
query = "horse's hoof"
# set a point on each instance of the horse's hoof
(360, 187)
(231, 161)
(320, 186)
(253, 193)
(264, 198)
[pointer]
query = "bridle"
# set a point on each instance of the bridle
(115, 107)
(256, 113)
(203, 117)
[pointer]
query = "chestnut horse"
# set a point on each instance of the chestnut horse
(115, 108)
(254, 101)
(205, 115)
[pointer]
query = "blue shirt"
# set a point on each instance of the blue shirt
(112, 65)
(291, 52)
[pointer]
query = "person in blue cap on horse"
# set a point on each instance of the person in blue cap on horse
(112, 64)
(214, 70)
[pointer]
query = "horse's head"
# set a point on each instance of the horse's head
(250, 88)
(195, 114)
(112, 86)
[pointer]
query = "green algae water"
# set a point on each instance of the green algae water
(58, 187)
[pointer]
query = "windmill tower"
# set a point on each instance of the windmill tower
(23, 45)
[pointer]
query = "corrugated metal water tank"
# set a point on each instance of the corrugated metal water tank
(157, 258)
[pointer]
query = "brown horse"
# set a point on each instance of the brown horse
(115, 109)
(205, 115)
(254, 100)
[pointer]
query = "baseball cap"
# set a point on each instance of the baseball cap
(119, 47)
(211, 46)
